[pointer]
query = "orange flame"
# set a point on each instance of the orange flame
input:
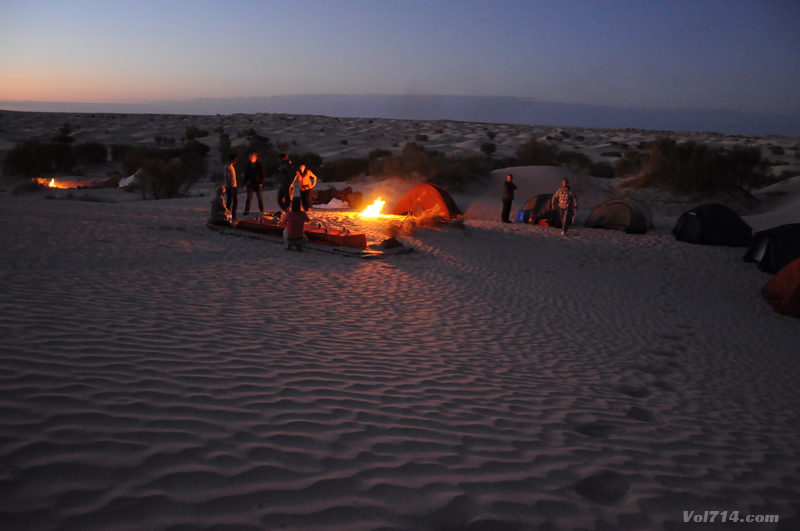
(373, 210)
(52, 183)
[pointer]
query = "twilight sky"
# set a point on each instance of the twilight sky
(732, 55)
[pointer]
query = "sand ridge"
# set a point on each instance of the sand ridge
(158, 375)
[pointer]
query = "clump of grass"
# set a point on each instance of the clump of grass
(777, 150)
(491, 135)
(696, 168)
(565, 134)
(420, 138)
(488, 147)
(192, 132)
(32, 158)
(611, 154)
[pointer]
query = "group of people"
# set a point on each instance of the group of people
(565, 197)
(226, 198)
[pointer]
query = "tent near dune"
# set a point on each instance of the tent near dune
(426, 197)
(627, 215)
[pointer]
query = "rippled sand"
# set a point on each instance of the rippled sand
(157, 375)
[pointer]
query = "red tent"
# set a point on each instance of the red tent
(783, 291)
(426, 197)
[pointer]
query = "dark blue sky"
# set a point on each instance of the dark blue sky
(730, 55)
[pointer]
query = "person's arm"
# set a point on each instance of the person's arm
(311, 174)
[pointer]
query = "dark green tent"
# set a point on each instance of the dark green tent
(621, 214)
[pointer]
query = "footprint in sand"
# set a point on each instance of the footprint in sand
(596, 429)
(605, 487)
(641, 414)
(634, 392)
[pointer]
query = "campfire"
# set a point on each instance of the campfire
(51, 184)
(373, 210)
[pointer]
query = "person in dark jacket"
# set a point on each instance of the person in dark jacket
(253, 181)
(508, 197)
(288, 175)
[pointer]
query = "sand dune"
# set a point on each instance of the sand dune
(157, 375)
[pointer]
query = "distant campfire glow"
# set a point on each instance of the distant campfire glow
(373, 210)
(52, 183)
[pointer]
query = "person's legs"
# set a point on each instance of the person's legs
(233, 200)
(506, 210)
(566, 219)
(260, 199)
(284, 199)
(300, 243)
(247, 202)
(305, 199)
(285, 240)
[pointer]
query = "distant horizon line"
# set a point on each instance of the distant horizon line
(462, 108)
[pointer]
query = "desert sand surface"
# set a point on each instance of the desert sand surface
(157, 375)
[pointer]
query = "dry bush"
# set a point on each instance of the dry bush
(162, 179)
(777, 150)
(488, 147)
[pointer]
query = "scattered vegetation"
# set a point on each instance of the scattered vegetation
(63, 135)
(164, 141)
(192, 132)
(489, 148)
(610, 154)
(33, 158)
(90, 153)
(692, 167)
(565, 134)
(420, 138)
(777, 150)
(491, 135)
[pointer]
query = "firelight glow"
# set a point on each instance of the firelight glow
(373, 210)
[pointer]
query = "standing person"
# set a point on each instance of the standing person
(305, 176)
(232, 190)
(294, 221)
(568, 203)
(219, 214)
(508, 197)
(253, 181)
(288, 175)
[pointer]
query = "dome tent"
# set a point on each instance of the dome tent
(426, 196)
(783, 291)
(621, 214)
(775, 248)
(535, 209)
(713, 224)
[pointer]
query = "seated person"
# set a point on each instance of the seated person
(219, 214)
(294, 221)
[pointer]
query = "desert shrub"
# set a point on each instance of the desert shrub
(630, 163)
(454, 172)
(548, 137)
(777, 150)
(135, 157)
(420, 138)
(533, 153)
(27, 187)
(118, 151)
(192, 132)
(691, 167)
(32, 158)
(343, 169)
(565, 134)
(777, 163)
(439, 131)
(580, 138)
(164, 179)
(259, 144)
(63, 135)
(90, 153)
(488, 147)
(788, 174)
(491, 135)
(224, 145)
(343, 142)
(508, 162)
(375, 154)
(602, 169)
(193, 147)
(164, 140)
(311, 161)
(797, 154)
(577, 162)
(219, 129)
(611, 154)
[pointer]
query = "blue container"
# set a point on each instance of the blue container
(523, 216)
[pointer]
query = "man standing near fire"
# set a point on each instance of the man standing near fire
(568, 203)
(288, 175)
(253, 181)
(232, 191)
(305, 176)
